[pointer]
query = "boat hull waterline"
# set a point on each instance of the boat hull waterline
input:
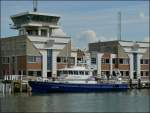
(50, 87)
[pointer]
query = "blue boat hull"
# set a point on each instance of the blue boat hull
(48, 87)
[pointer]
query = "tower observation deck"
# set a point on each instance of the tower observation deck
(30, 22)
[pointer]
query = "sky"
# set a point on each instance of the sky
(87, 21)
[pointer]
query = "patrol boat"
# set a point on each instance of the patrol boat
(77, 79)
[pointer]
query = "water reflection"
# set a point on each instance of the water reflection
(130, 101)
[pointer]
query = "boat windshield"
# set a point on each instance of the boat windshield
(72, 72)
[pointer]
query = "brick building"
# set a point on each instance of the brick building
(132, 59)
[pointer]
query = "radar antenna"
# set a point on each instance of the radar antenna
(35, 5)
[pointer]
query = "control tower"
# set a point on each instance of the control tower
(41, 47)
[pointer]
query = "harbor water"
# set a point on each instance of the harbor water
(130, 101)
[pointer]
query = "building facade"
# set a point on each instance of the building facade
(130, 59)
(40, 48)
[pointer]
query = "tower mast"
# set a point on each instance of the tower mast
(34, 5)
(119, 26)
(119, 39)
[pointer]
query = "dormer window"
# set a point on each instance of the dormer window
(44, 32)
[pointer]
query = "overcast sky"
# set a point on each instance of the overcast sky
(87, 21)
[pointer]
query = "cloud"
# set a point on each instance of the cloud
(89, 36)
(102, 38)
(147, 39)
(85, 37)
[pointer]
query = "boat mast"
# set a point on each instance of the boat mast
(34, 5)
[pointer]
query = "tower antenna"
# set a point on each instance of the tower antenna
(119, 25)
(34, 5)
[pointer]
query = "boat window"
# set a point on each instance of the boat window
(75, 72)
(61, 72)
(65, 72)
(71, 72)
(86, 73)
(81, 72)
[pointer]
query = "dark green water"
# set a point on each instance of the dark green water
(130, 101)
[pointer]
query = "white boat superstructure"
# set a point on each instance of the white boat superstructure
(77, 75)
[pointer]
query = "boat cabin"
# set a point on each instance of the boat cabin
(75, 73)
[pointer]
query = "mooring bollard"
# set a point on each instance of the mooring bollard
(130, 83)
(139, 84)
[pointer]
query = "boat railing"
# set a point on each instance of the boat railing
(13, 77)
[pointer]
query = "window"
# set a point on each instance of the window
(5, 60)
(75, 72)
(13, 59)
(146, 73)
(127, 73)
(93, 60)
(86, 73)
(65, 72)
(141, 61)
(103, 61)
(120, 61)
(79, 59)
(141, 73)
(64, 60)
(71, 60)
(30, 73)
(125, 61)
(107, 61)
(35, 32)
(38, 73)
(33, 59)
(58, 59)
(114, 60)
(43, 32)
(24, 72)
(71, 72)
(107, 72)
(49, 59)
(121, 73)
(38, 59)
(144, 61)
(29, 32)
(19, 72)
(81, 72)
